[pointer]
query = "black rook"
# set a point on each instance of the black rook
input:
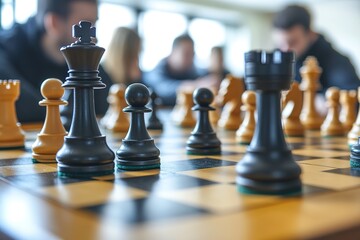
(268, 166)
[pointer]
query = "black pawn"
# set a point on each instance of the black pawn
(154, 122)
(85, 151)
(268, 166)
(138, 150)
(355, 156)
(203, 140)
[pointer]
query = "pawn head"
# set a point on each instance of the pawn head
(51, 89)
(333, 93)
(203, 97)
(137, 95)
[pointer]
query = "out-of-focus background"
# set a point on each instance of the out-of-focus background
(238, 25)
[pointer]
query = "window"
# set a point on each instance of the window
(206, 34)
(112, 16)
(16, 11)
(158, 30)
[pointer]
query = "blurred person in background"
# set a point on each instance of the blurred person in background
(216, 65)
(121, 59)
(292, 31)
(177, 72)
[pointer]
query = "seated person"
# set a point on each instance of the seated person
(217, 63)
(293, 32)
(30, 52)
(121, 60)
(178, 71)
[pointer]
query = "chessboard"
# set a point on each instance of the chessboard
(190, 197)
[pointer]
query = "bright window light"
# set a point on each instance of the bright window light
(206, 34)
(112, 16)
(158, 30)
(24, 9)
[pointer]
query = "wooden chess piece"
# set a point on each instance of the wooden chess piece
(154, 123)
(115, 119)
(332, 125)
(246, 130)
(214, 116)
(354, 133)
(268, 166)
(348, 111)
(181, 114)
(203, 140)
(229, 95)
(310, 73)
(85, 151)
(137, 150)
(51, 137)
(11, 135)
(292, 102)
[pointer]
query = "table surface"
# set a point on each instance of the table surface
(190, 197)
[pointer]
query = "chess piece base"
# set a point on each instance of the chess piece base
(203, 144)
(44, 158)
(269, 173)
(129, 157)
(293, 128)
(85, 156)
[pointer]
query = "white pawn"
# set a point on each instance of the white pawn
(332, 125)
(246, 130)
(51, 137)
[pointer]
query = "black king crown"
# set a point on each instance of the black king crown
(85, 151)
(83, 57)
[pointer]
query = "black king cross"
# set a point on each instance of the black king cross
(84, 32)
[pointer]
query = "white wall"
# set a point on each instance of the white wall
(339, 21)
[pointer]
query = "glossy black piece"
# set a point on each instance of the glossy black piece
(85, 151)
(203, 139)
(268, 166)
(355, 155)
(137, 150)
(66, 112)
(154, 122)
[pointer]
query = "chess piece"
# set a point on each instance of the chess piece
(268, 166)
(292, 102)
(85, 151)
(181, 114)
(355, 155)
(310, 73)
(115, 119)
(203, 140)
(11, 135)
(231, 89)
(332, 125)
(66, 111)
(347, 113)
(214, 116)
(137, 150)
(246, 130)
(354, 133)
(154, 122)
(51, 137)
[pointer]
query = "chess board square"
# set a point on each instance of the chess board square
(13, 154)
(328, 162)
(81, 194)
(320, 153)
(163, 182)
(18, 170)
(143, 210)
(15, 161)
(320, 176)
(193, 164)
(226, 174)
(219, 198)
(33, 181)
(345, 171)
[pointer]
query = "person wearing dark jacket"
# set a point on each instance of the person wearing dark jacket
(178, 71)
(293, 32)
(30, 52)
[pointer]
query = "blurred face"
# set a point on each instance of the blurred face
(80, 10)
(295, 39)
(182, 56)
